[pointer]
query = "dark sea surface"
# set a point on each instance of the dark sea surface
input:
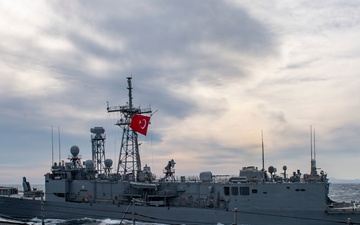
(338, 192)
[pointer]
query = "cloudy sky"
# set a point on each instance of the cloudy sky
(218, 72)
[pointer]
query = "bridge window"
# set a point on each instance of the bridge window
(226, 191)
(244, 190)
(234, 191)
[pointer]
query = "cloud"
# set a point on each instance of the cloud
(218, 73)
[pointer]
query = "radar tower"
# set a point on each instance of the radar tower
(98, 148)
(129, 164)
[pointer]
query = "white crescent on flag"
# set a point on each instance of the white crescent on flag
(143, 121)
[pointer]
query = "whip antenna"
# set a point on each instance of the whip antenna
(262, 150)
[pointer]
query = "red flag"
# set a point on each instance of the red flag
(139, 123)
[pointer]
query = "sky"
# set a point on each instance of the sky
(217, 73)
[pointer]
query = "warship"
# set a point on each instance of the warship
(89, 189)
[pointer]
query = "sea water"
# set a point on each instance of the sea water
(338, 192)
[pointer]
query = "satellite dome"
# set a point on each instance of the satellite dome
(272, 169)
(108, 163)
(74, 150)
(89, 164)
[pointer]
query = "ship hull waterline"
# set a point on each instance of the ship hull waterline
(22, 208)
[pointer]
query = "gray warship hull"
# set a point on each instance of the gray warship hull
(29, 208)
(76, 189)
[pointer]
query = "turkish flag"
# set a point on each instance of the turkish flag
(139, 123)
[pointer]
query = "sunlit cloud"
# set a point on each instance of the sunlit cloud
(218, 74)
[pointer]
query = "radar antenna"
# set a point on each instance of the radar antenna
(169, 170)
(129, 164)
(98, 148)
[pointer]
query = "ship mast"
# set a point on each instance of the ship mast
(129, 164)
(313, 153)
(98, 148)
(262, 154)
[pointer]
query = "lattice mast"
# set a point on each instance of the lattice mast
(129, 164)
(98, 148)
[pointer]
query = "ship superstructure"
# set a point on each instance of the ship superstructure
(79, 189)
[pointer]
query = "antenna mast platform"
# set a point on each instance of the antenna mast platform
(129, 164)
